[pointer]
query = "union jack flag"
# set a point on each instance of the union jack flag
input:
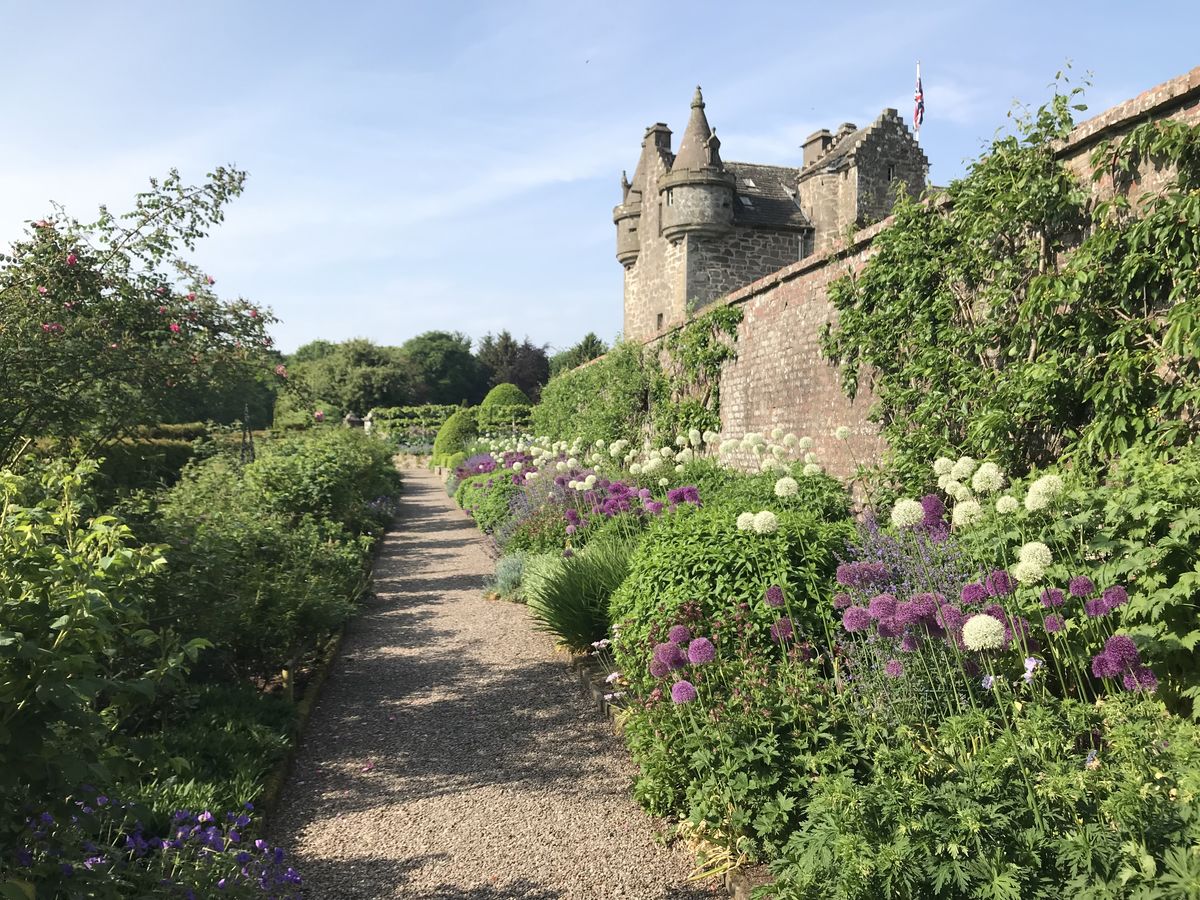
(919, 106)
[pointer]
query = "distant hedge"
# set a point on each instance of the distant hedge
(605, 399)
(411, 424)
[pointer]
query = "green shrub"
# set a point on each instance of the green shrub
(505, 395)
(694, 565)
(454, 460)
(143, 463)
(821, 495)
(486, 498)
(455, 435)
(570, 599)
(606, 400)
(508, 575)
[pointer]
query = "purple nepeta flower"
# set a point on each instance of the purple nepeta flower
(774, 596)
(893, 668)
(882, 606)
(856, 618)
(1000, 584)
(1114, 596)
(679, 634)
(1052, 597)
(701, 651)
(974, 593)
(1081, 586)
(1054, 623)
(683, 692)
(781, 630)
(862, 574)
(841, 601)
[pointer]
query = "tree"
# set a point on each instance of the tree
(446, 370)
(358, 375)
(507, 362)
(587, 349)
(101, 324)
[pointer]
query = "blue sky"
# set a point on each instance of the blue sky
(454, 165)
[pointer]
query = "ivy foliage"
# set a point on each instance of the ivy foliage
(686, 389)
(1021, 321)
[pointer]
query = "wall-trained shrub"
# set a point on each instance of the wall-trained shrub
(605, 400)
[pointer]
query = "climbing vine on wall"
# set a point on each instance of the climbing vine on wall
(686, 388)
(1022, 321)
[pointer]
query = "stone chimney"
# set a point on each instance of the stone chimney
(816, 145)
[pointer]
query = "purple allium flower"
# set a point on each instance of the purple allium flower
(658, 668)
(1081, 586)
(679, 634)
(950, 616)
(1114, 597)
(669, 655)
(1095, 608)
(1052, 597)
(1122, 649)
(683, 692)
(1054, 623)
(906, 613)
(1000, 584)
(893, 668)
(889, 627)
(1105, 666)
(909, 643)
(882, 606)
(935, 517)
(841, 601)
(974, 593)
(781, 630)
(1147, 680)
(856, 618)
(774, 596)
(653, 507)
(701, 651)
(861, 574)
(925, 606)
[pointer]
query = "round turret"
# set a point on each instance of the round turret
(626, 216)
(697, 195)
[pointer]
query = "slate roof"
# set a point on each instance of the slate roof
(771, 199)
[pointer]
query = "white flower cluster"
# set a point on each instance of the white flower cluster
(983, 632)
(786, 487)
(1032, 561)
(1043, 492)
(962, 479)
(764, 522)
(907, 513)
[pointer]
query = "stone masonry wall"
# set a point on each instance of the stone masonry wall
(654, 284)
(780, 378)
(716, 266)
(886, 158)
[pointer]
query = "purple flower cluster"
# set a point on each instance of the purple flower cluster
(774, 596)
(1120, 659)
(935, 524)
(782, 630)
(671, 654)
(479, 464)
(680, 495)
(862, 575)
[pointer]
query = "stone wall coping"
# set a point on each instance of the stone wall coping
(1157, 101)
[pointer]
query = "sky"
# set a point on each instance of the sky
(453, 165)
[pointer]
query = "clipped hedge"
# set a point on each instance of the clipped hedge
(455, 434)
(505, 395)
(607, 399)
(510, 418)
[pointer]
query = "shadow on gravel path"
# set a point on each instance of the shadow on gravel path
(450, 755)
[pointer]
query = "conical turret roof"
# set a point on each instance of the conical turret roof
(698, 148)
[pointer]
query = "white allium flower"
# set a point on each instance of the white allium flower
(765, 522)
(745, 522)
(572, 463)
(942, 466)
(635, 469)
(685, 455)
(966, 512)
(695, 438)
(653, 464)
(752, 438)
(810, 457)
(681, 440)
(679, 468)
(1042, 492)
(957, 490)
(728, 446)
(1006, 505)
(561, 467)
(1028, 572)
(666, 452)
(812, 469)
(988, 478)
(600, 444)
(1035, 552)
(907, 513)
(709, 437)
(983, 632)
(962, 469)
(786, 487)
(778, 451)
(777, 433)
(590, 482)
(791, 441)
(573, 484)
(842, 433)
(663, 482)
(805, 443)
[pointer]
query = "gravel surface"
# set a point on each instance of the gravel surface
(451, 754)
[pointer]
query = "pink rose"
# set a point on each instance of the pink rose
(191, 296)
(72, 259)
(319, 416)
(210, 279)
(281, 370)
(175, 327)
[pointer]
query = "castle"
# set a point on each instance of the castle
(692, 227)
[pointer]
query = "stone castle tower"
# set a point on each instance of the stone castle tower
(692, 227)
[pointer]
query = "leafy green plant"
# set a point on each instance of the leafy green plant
(505, 395)
(686, 386)
(605, 400)
(570, 598)
(455, 435)
(509, 570)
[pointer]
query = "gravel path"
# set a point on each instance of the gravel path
(451, 755)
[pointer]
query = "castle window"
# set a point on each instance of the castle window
(746, 201)
(658, 323)
(748, 182)
(670, 202)
(891, 173)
